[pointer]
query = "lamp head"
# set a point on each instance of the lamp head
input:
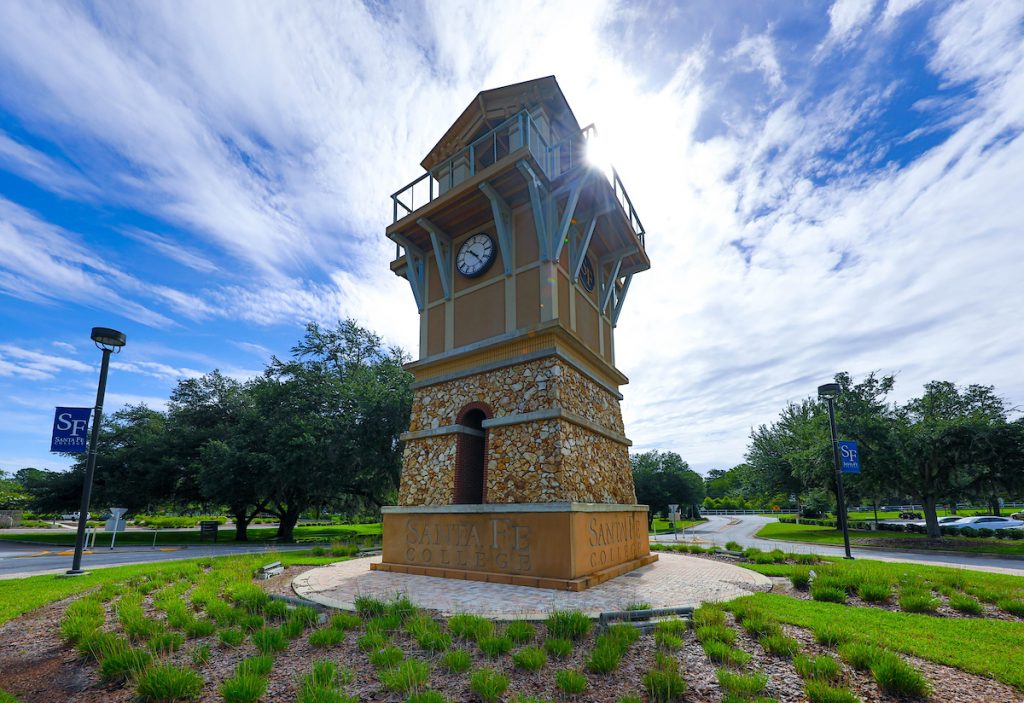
(829, 391)
(106, 338)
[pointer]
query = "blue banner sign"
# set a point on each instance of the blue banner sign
(849, 456)
(70, 430)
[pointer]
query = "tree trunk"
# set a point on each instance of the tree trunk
(994, 504)
(241, 526)
(286, 529)
(931, 518)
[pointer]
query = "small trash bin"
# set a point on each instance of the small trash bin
(208, 530)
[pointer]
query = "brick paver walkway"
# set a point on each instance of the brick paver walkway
(672, 581)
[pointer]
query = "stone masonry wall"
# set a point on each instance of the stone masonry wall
(536, 461)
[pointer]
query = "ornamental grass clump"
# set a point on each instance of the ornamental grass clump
(965, 604)
(820, 668)
(201, 654)
(826, 593)
(520, 631)
(231, 637)
(1013, 606)
(708, 614)
(466, 626)
(488, 684)
(257, 665)
(270, 639)
(821, 692)
(859, 655)
(495, 646)
(664, 682)
(344, 622)
(126, 665)
(530, 659)
(780, 645)
(570, 682)
(568, 624)
(401, 607)
(457, 661)
(558, 648)
(830, 635)
(897, 677)
(166, 642)
(758, 625)
(386, 658)
(243, 688)
(667, 641)
(409, 676)
(800, 578)
(716, 633)
(165, 683)
(874, 591)
(326, 637)
(369, 607)
(743, 685)
(915, 601)
(727, 655)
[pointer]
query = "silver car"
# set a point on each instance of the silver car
(986, 521)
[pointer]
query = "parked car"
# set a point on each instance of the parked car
(73, 517)
(910, 516)
(942, 520)
(1017, 516)
(988, 521)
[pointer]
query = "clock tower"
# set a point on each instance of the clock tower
(519, 253)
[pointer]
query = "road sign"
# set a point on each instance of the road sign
(116, 521)
(70, 427)
(849, 456)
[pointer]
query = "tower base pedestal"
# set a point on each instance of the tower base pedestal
(566, 546)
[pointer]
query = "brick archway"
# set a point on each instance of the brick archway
(471, 455)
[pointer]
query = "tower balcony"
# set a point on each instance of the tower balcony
(457, 193)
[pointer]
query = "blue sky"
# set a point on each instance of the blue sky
(825, 187)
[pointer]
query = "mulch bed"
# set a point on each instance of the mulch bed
(38, 667)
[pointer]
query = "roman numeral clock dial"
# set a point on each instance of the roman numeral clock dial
(476, 255)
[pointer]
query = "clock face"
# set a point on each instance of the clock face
(476, 255)
(587, 275)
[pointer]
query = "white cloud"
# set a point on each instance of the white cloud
(33, 365)
(172, 250)
(70, 348)
(759, 51)
(846, 19)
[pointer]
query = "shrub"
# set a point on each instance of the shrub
(165, 682)
(859, 655)
(408, 676)
(827, 593)
(326, 637)
(570, 682)
(258, 665)
(386, 658)
(821, 692)
(722, 653)
(270, 639)
(488, 684)
(780, 645)
(912, 601)
(718, 633)
(733, 546)
(800, 578)
(470, 627)
(166, 642)
(125, 665)
(568, 624)
(895, 676)
(743, 685)
(965, 604)
(874, 591)
(457, 660)
(232, 637)
(243, 688)
(821, 668)
(495, 646)
(530, 658)
(831, 635)
(557, 647)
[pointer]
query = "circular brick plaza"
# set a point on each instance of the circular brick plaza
(672, 581)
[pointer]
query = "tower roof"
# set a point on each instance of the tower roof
(492, 107)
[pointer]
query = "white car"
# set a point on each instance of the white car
(944, 521)
(986, 521)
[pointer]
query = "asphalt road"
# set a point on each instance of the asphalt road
(18, 560)
(720, 529)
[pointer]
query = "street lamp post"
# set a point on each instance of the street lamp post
(110, 341)
(829, 392)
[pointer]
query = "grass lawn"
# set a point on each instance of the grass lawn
(987, 647)
(225, 534)
(18, 596)
(830, 535)
(882, 514)
(661, 525)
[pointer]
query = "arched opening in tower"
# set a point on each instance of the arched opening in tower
(470, 458)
